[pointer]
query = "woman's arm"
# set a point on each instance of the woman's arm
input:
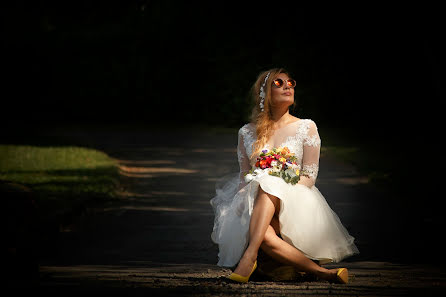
(243, 159)
(311, 153)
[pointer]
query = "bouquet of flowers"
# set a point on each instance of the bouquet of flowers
(278, 162)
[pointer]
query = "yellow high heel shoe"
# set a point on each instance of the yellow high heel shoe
(342, 275)
(242, 279)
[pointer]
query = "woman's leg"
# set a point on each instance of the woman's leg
(285, 253)
(264, 208)
(262, 234)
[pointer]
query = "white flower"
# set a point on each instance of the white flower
(291, 172)
(274, 163)
(249, 177)
(276, 169)
(258, 171)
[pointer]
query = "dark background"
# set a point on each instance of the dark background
(370, 74)
(194, 62)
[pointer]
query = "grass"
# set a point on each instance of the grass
(363, 160)
(368, 158)
(60, 178)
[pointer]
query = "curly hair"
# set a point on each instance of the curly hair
(263, 119)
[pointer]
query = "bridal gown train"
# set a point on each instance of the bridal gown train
(306, 220)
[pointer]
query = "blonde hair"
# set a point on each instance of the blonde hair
(263, 119)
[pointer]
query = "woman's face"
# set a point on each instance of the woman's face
(283, 95)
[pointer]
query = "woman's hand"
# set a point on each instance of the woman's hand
(306, 181)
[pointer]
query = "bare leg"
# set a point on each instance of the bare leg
(264, 208)
(263, 227)
(285, 253)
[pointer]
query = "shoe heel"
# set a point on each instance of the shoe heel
(242, 279)
(342, 275)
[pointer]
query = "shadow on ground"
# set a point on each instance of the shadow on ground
(156, 237)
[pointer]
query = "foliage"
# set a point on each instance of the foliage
(60, 177)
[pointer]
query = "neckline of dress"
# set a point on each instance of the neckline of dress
(287, 125)
(253, 125)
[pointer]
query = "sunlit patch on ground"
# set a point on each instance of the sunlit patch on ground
(366, 278)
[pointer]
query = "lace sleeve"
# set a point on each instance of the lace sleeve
(311, 153)
(243, 159)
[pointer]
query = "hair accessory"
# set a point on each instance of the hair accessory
(262, 92)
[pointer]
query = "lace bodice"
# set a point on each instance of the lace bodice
(301, 137)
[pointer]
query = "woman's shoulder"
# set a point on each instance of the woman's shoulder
(246, 129)
(308, 123)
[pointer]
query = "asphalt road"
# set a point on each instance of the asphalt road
(156, 240)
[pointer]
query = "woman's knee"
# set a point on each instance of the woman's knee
(274, 199)
(269, 238)
(275, 224)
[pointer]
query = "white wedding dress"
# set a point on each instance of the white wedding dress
(306, 220)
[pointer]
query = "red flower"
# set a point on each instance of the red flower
(268, 160)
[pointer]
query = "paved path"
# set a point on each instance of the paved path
(156, 238)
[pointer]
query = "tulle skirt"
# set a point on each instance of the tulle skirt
(306, 220)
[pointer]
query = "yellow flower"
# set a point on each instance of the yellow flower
(282, 159)
(297, 172)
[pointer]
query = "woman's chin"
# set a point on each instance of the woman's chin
(285, 102)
